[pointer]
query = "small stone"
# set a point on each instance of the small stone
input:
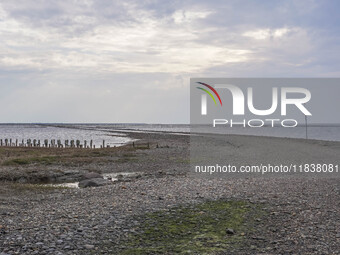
(89, 246)
(258, 238)
(93, 183)
(230, 231)
(91, 175)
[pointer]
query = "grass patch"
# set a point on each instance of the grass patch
(199, 229)
(46, 160)
(8, 189)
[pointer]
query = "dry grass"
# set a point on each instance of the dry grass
(17, 156)
(8, 189)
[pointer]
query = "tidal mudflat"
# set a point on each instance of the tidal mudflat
(162, 210)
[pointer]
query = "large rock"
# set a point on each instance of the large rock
(96, 182)
(91, 175)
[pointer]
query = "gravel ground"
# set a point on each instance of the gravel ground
(302, 216)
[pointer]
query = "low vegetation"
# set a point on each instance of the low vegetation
(198, 229)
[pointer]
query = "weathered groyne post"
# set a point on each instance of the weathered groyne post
(52, 143)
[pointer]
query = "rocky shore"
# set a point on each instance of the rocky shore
(140, 215)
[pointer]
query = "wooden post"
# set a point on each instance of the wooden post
(34, 142)
(10, 142)
(103, 143)
(85, 143)
(0, 142)
(91, 143)
(46, 143)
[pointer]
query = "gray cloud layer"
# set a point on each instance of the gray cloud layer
(130, 61)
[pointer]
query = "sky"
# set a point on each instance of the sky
(106, 61)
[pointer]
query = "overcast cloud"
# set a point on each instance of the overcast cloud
(131, 61)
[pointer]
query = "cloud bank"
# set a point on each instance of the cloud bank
(129, 61)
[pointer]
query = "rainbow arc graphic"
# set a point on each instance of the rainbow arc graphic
(209, 93)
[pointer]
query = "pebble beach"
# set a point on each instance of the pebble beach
(281, 215)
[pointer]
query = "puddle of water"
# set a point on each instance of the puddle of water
(116, 176)
(66, 185)
(72, 185)
(110, 176)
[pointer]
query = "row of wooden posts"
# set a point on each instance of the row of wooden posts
(53, 143)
